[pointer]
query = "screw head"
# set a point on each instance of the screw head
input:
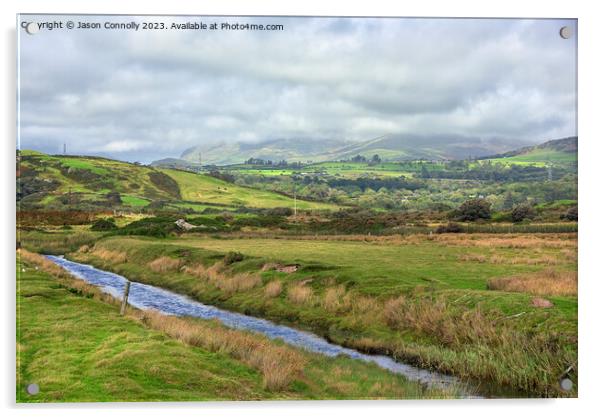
(566, 32)
(566, 384)
(32, 28)
(33, 389)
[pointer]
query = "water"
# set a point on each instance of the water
(147, 297)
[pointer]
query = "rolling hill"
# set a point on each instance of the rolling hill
(389, 147)
(554, 151)
(92, 183)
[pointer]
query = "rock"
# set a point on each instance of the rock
(541, 302)
(184, 225)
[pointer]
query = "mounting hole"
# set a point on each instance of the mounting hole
(566, 32)
(33, 389)
(566, 384)
(32, 28)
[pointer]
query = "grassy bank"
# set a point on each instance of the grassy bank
(72, 342)
(430, 300)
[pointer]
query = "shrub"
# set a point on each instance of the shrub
(103, 225)
(571, 214)
(449, 228)
(475, 209)
(152, 226)
(522, 212)
(233, 257)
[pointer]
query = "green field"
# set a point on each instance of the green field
(540, 156)
(77, 347)
(212, 190)
(89, 180)
(350, 285)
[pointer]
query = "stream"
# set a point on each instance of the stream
(146, 297)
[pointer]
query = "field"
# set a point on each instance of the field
(58, 181)
(217, 191)
(146, 357)
(348, 290)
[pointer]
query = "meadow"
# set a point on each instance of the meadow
(454, 303)
(144, 356)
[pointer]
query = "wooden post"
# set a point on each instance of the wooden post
(124, 301)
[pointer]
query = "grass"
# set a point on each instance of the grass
(344, 288)
(546, 282)
(137, 190)
(206, 189)
(541, 156)
(72, 342)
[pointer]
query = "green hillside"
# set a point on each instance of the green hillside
(560, 151)
(85, 182)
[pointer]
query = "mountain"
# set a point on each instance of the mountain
(558, 150)
(405, 147)
(275, 150)
(396, 147)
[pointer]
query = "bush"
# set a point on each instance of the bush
(103, 225)
(233, 257)
(522, 212)
(449, 228)
(158, 226)
(571, 214)
(475, 209)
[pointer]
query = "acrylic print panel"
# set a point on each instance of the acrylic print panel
(295, 208)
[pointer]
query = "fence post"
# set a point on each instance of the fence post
(124, 301)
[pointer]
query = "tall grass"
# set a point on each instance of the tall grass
(279, 365)
(299, 294)
(110, 255)
(165, 264)
(273, 289)
(216, 276)
(546, 282)
(55, 243)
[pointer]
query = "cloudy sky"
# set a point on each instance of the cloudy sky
(144, 95)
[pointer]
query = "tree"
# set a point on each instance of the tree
(474, 209)
(522, 212)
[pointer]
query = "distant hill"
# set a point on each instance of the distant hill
(58, 182)
(558, 150)
(389, 147)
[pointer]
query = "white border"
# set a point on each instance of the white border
(589, 185)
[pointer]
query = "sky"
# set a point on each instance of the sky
(148, 94)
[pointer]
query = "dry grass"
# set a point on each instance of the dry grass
(229, 284)
(273, 289)
(498, 259)
(279, 365)
(299, 294)
(64, 278)
(472, 257)
(437, 318)
(334, 299)
(522, 241)
(109, 255)
(546, 282)
(165, 264)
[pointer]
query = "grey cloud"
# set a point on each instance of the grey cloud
(146, 95)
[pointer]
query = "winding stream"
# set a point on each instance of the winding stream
(147, 297)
